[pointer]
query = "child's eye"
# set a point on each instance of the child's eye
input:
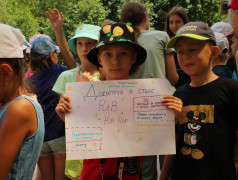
(107, 54)
(123, 53)
(179, 52)
(193, 50)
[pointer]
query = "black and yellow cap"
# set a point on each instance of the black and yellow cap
(196, 30)
(117, 32)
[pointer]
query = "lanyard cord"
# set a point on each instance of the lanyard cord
(120, 170)
(101, 165)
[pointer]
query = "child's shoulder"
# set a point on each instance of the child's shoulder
(69, 75)
(21, 111)
(22, 105)
(223, 83)
(230, 83)
(70, 72)
(154, 33)
(60, 68)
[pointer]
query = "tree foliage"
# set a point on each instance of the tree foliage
(29, 15)
(197, 10)
(203, 10)
(18, 15)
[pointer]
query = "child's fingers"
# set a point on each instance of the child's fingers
(56, 11)
(174, 107)
(49, 10)
(60, 111)
(86, 76)
(62, 16)
(65, 97)
(65, 104)
(176, 104)
(173, 103)
(47, 14)
(170, 98)
(52, 13)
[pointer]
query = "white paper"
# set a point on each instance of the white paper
(119, 119)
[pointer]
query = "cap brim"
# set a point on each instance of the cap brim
(141, 55)
(172, 42)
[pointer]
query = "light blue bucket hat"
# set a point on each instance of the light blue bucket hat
(85, 30)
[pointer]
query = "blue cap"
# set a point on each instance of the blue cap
(43, 46)
(86, 31)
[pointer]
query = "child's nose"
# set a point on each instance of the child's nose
(186, 55)
(115, 59)
(85, 48)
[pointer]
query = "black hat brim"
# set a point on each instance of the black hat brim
(141, 55)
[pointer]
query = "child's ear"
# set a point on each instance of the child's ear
(145, 16)
(99, 59)
(215, 52)
(134, 58)
(6, 73)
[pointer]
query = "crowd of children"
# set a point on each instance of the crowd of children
(32, 130)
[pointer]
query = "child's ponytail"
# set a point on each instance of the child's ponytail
(134, 13)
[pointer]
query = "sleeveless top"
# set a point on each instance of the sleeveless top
(28, 154)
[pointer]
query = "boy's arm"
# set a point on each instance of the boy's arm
(176, 104)
(171, 72)
(56, 20)
(167, 167)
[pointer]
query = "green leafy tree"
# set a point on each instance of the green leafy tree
(197, 10)
(30, 17)
(75, 12)
(204, 10)
(18, 15)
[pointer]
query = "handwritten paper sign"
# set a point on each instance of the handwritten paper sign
(119, 119)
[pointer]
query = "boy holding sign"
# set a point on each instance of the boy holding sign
(118, 54)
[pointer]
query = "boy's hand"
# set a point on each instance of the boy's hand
(173, 103)
(56, 19)
(85, 77)
(63, 106)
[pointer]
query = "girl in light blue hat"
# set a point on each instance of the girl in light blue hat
(84, 40)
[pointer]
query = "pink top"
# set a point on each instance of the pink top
(28, 73)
